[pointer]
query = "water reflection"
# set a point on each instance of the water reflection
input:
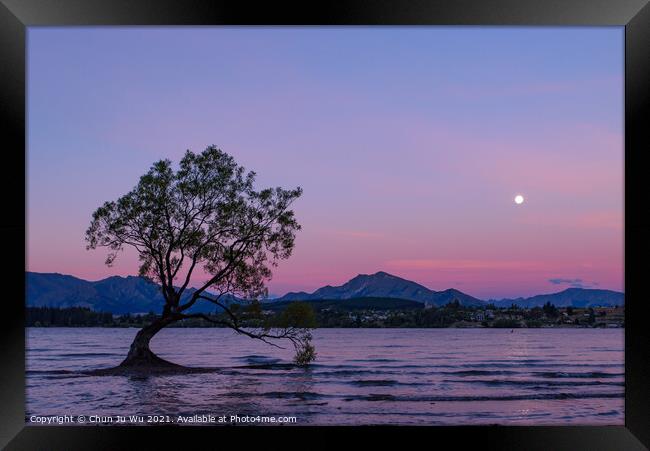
(361, 376)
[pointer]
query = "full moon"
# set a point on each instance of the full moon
(519, 199)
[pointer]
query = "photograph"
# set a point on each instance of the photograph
(325, 226)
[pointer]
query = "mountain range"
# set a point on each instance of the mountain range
(120, 295)
(384, 285)
(574, 297)
(114, 294)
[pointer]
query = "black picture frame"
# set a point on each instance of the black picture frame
(16, 15)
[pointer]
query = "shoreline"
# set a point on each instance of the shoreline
(568, 326)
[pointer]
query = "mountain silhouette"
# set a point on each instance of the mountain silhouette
(114, 294)
(574, 297)
(384, 285)
(120, 295)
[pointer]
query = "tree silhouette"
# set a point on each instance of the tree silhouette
(205, 214)
(550, 310)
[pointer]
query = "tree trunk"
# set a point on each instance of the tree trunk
(140, 354)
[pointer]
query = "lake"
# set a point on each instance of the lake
(360, 376)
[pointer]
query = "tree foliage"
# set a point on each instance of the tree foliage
(205, 214)
(550, 310)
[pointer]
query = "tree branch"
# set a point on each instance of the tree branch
(262, 337)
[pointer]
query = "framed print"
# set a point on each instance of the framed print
(363, 218)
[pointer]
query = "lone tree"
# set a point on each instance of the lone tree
(205, 214)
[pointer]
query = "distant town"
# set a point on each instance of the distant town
(361, 313)
(464, 317)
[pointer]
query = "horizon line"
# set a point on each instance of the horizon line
(359, 274)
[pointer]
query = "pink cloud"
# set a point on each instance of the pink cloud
(462, 264)
(590, 220)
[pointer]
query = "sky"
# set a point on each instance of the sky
(410, 144)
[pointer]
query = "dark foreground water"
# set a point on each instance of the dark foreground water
(361, 376)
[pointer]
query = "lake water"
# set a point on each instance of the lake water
(361, 376)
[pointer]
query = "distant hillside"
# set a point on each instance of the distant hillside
(384, 285)
(351, 304)
(115, 294)
(120, 295)
(574, 297)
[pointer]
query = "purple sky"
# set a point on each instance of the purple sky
(410, 145)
